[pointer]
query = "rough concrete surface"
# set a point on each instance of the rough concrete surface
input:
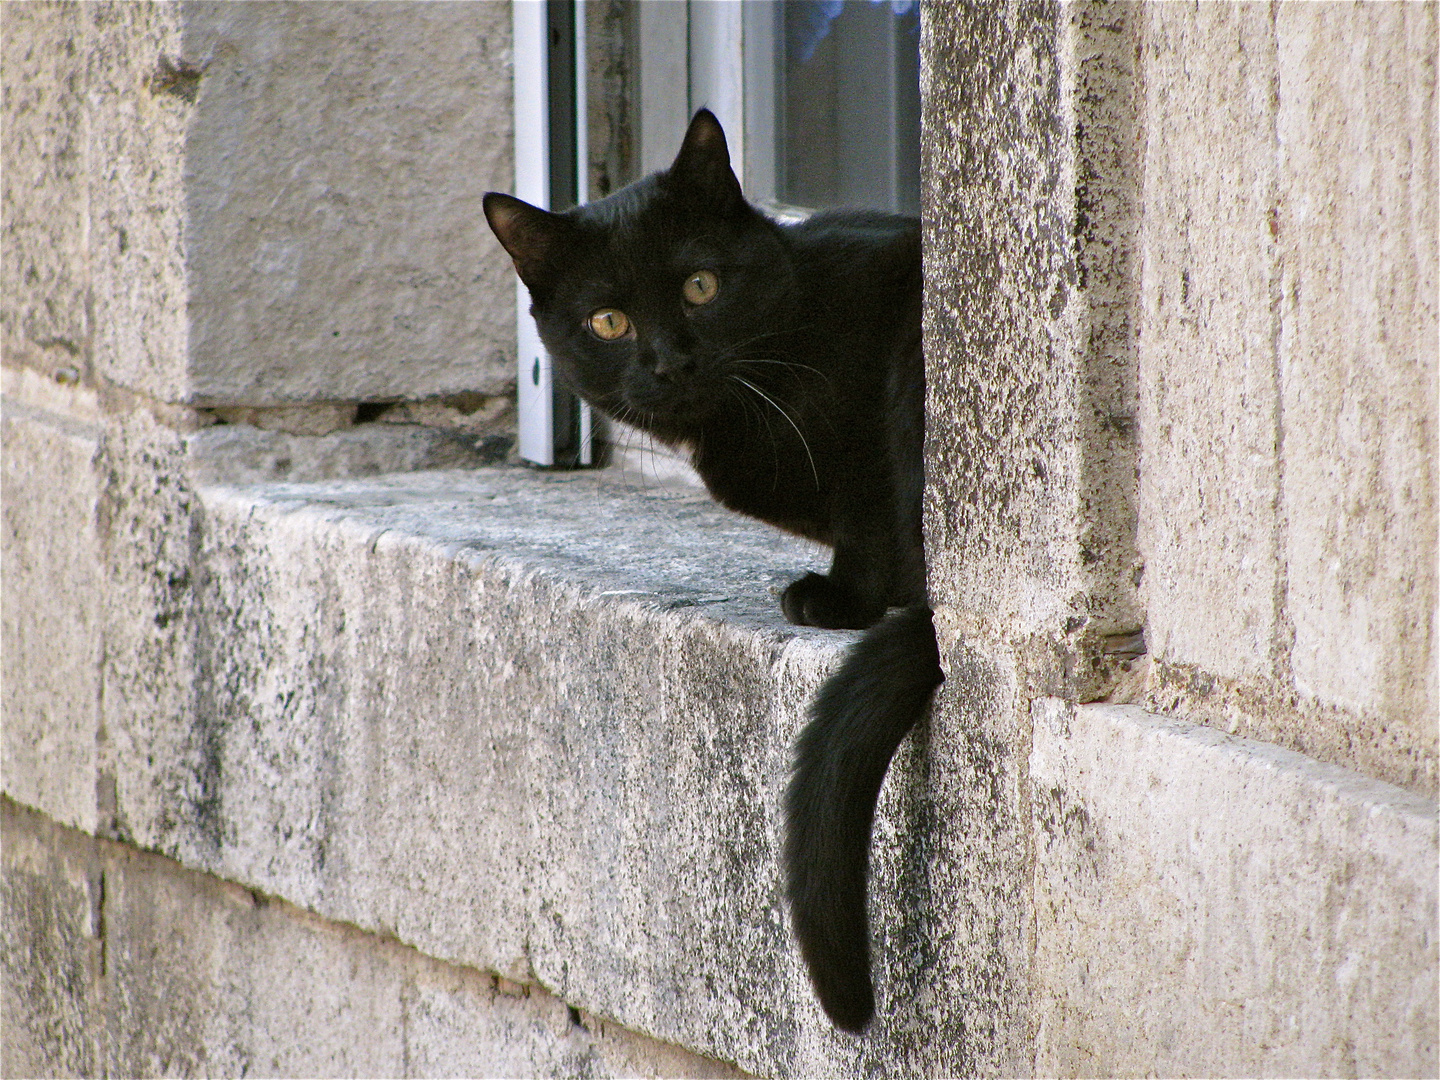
(1212, 906)
(121, 963)
(1000, 341)
(1030, 216)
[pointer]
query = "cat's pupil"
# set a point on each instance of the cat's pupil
(701, 287)
(609, 324)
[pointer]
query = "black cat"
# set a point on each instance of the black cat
(786, 360)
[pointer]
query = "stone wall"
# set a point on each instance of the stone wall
(479, 771)
(1181, 346)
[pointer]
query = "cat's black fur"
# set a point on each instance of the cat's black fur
(799, 392)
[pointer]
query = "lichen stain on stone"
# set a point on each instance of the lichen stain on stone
(179, 78)
(1070, 833)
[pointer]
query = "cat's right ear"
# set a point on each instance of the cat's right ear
(703, 164)
(532, 236)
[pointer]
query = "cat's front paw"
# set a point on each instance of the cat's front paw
(817, 600)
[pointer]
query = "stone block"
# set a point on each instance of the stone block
(202, 977)
(137, 119)
(53, 620)
(1208, 905)
(335, 243)
(146, 607)
(51, 950)
(1287, 361)
(429, 718)
(1355, 126)
(44, 162)
(1209, 470)
(1027, 152)
(175, 180)
(541, 724)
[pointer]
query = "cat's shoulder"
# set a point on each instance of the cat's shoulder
(854, 225)
(857, 244)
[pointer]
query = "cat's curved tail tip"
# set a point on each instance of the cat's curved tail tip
(857, 721)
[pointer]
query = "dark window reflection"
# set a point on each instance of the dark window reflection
(848, 98)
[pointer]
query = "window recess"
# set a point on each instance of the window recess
(820, 100)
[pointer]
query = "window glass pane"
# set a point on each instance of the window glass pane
(848, 104)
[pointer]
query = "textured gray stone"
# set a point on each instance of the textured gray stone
(201, 977)
(1029, 213)
(1359, 353)
(44, 184)
(135, 128)
(1288, 365)
(1029, 208)
(336, 247)
(51, 951)
(1209, 478)
(1212, 906)
(533, 723)
(148, 544)
(239, 453)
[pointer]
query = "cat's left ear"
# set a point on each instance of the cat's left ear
(703, 164)
(532, 236)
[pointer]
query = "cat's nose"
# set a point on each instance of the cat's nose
(672, 366)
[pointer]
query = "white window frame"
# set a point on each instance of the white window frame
(535, 381)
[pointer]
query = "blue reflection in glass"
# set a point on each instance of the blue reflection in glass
(807, 22)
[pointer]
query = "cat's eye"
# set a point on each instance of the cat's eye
(701, 287)
(609, 324)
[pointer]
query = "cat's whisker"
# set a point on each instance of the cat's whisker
(614, 403)
(760, 337)
(791, 366)
(823, 415)
(803, 442)
(748, 407)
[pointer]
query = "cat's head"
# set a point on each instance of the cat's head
(651, 300)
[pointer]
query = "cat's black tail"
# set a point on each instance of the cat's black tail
(858, 719)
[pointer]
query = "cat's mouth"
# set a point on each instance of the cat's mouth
(662, 397)
(665, 405)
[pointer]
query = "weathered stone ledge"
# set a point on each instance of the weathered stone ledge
(532, 723)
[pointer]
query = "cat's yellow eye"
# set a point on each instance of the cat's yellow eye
(609, 324)
(701, 287)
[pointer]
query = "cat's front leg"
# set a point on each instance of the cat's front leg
(835, 601)
(817, 600)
